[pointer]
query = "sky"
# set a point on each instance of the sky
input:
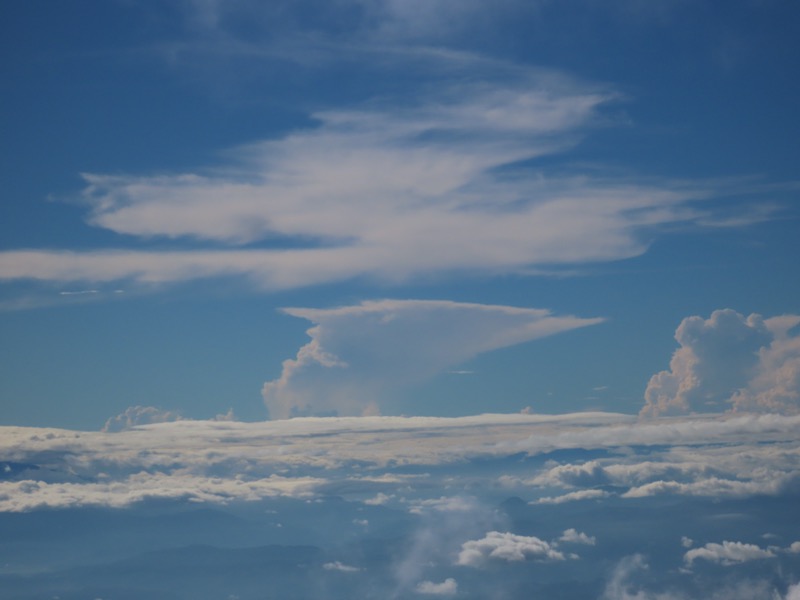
(188, 184)
(427, 298)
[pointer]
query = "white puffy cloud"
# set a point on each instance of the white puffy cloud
(356, 351)
(448, 587)
(140, 415)
(775, 386)
(716, 358)
(573, 536)
(730, 361)
(793, 593)
(727, 553)
(505, 546)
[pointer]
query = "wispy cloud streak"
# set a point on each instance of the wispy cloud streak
(393, 189)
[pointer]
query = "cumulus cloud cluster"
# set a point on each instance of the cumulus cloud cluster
(573, 536)
(727, 553)
(729, 361)
(505, 546)
(357, 351)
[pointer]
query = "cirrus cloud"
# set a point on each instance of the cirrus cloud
(390, 190)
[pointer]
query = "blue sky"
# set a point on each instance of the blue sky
(536, 194)
(399, 299)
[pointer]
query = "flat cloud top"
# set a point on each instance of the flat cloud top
(358, 351)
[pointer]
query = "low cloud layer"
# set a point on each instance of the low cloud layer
(430, 506)
(358, 351)
(730, 362)
(401, 461)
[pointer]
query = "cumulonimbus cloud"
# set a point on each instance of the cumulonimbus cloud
(357, 351)
(729, 361)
